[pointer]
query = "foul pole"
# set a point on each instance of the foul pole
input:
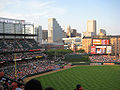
(15, 66)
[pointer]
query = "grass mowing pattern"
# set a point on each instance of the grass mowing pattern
(90, 77)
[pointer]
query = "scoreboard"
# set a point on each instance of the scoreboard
(101, 46)
(101, 42)
(101, 49)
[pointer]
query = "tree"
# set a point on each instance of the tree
(52, 53)
(81, 51)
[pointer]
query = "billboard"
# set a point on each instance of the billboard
(108, 63)
(93, 49)
(95, 63)
(97, 42)
(105, 42)
(109, 48)
(101, 42)
(100, 49)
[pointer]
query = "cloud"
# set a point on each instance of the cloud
(3, 3)
(30, 10)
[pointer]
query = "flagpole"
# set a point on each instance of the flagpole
(15, 66)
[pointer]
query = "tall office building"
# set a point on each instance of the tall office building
(45, 35)
(73, 32)
(64, 34)
(68, 31)
(55, 33)
(38, 31)
(91, 26)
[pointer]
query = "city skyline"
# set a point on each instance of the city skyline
(76, 13)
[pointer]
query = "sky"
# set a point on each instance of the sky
(67, 12)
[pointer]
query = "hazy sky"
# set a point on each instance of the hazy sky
(73, 12)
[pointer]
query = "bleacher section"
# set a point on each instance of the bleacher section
(27, 67)
(12, 45)
(19, 47)
(28, 55)
(103, 58)
(19, 56)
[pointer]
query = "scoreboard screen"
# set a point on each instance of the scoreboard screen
(109, 48)
(93, 49)
(101, 49)
(101, 42)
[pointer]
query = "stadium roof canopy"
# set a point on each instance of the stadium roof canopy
(9, 34)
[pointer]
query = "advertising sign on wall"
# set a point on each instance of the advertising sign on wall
(108, 51)
(101, 49)
(96, 41)
(100, 42)
(108, 63)
(93, 50)
(105, 42)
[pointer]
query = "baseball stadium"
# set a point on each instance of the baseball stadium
(25, 64)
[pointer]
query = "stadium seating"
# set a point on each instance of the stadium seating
(11, 57)
(12, 45)
(103, 58)
(27, 67)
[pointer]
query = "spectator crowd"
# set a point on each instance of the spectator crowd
(17, 45)
(11, 56)
(33, 84)
(27, 67)
(28, 62)
(103, 58)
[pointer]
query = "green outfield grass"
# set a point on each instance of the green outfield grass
(90, 77)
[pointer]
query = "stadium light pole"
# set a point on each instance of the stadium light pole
(15, 66)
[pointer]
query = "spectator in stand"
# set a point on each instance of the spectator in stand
(78, 87)
(103, 58)
(1, 86)
(20, 84)
(20, 87)
(28, 67)
(14, 85)
(33, 85)
(8, 45)
(6, 85)
(1, 81)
